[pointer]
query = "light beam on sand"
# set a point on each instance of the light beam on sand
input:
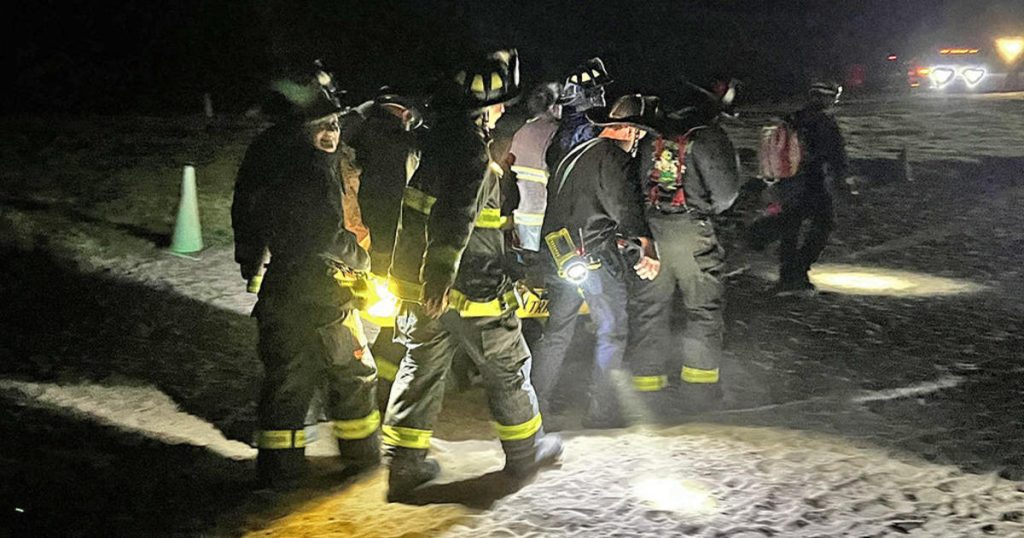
(137, 409)
(865, 280)
(674, 495)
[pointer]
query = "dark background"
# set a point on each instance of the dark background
(161, 56)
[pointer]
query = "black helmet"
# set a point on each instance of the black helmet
(487, 80)
(640, 111)
(584, 86)
(826, 90)
(311, 99)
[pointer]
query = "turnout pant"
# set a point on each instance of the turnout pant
(306, 352)
(495, 345)
(606, 297)
(692, 262)
(795, 257)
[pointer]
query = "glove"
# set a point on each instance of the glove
(250, 268)
(435, 299)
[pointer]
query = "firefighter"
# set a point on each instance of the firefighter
(382, 134)
(806, 197)
(689, 173)
(448, 271)
(595, 212)
(583, 90)
(288, 199)
(529, 150)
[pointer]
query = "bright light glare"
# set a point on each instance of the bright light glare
(973, 75)
(386, 306)
(942, 75)
(576, 272)
(671, 495)
(861, 280)
(1010, 48)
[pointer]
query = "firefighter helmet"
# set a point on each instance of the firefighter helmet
(584, 86)
(635, 110)
(313, 98)
(826, 90)
(488, 80)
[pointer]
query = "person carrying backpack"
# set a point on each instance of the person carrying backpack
(799, 157)
(689, 173)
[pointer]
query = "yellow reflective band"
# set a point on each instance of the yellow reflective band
(518, 432)
(489, 309)
(406, 291)
(695, 375)
(406, 437)
(529, 219)
(281, 439)
(418, 200)
(652, 383)
(490, 217)
(526, 173)
(496, 83)
(477, 85)
(386, 369)
(359, 428)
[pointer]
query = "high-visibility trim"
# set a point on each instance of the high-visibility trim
(652, 383)
(418, 200)
(386, 369)
(406, 437)
(405, 290)
(359, 428)
(476, 309)
(527, 173)
(490, 217)
(528, 219)
(696, 375)
(281, 439)
(518, 432)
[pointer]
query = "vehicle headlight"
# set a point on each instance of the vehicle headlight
(1010, 48)
(973, 75)
(942, 75)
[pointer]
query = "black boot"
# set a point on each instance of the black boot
(698, 398)
(409, 469)
(281, 469)
(360, 455)
(525, 457)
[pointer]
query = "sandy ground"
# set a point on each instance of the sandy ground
(888, 405)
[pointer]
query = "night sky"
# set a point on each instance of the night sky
(160, 56)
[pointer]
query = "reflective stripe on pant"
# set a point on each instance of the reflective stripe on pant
(605, 295)
(692, 262)
(496, 346)
(301, 358)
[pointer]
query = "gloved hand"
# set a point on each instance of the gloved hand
(435, 299)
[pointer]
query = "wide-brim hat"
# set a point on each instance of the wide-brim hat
(635, 110)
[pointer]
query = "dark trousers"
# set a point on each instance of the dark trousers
(313, 357)
(804, 205)
(606, 297)
(498, 350)
(692, 262)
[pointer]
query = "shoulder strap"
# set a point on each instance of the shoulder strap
(569, 162)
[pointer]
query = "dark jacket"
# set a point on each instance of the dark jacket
(385, 152)
(711, 177)
(596, 197)
(439, 242)
(824, 147)
(573, 130)
(288, 199)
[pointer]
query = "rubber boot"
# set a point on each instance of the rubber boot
(360, 455)
(603, 415)
(697, 398)
(409, 469)
(525, 457)
(281, 469)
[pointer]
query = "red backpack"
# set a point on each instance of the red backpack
(779, 151)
